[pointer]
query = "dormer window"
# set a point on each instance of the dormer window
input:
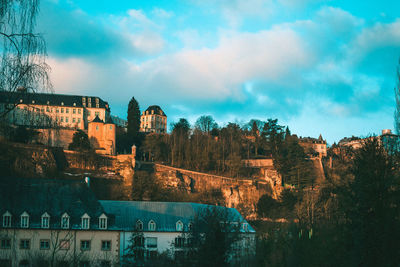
(65, 221)
(45, 220)
(74, 104)
(48, 102)
(139, 225)
(152, 225)
(25, 220)
(85, 221)
(245, 227)
(103, 221)
(20, 101)
(179, 226)
(33, 101)
(7, 219)
(62, 103)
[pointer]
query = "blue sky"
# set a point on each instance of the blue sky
(318, 66)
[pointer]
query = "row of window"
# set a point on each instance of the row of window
(45, 221)
(63, 244)
(151, 226)
(74, 120)
(44, 263)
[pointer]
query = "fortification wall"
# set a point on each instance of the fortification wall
(242, 194)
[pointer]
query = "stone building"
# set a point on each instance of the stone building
(102, 135)
(153, 120)
(313, 145)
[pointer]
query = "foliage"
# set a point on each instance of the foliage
(80, 141)
(397, 97)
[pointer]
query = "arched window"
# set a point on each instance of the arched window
(85, 221)
(24, 220)
(190, 226)
(65, 221)
(139, 225)
(45, 220)
(152, 225)
(179, 226)
(7, 219)
(103, 221)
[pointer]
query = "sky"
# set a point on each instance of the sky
(320, 67)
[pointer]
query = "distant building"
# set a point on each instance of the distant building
(387, 139)
(63, 113)
(313, 145)
(119, 121)
(153, 120)
(49, 110)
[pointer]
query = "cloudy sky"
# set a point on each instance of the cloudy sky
(318, 66)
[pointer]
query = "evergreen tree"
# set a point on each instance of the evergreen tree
(133, 120)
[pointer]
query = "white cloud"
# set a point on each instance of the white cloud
(162, 13)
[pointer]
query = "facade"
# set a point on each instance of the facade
(50, 110)
(61, 223)
(102, 135)
(312, 145)
(56, 117)
(53, 222)
(164, 227)
(153, 120)
(389, 140)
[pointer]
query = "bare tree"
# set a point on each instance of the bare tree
(23, 52)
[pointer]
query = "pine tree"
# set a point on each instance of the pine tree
(133, 119)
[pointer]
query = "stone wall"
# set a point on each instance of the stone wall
(242, 194)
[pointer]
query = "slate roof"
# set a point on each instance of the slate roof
(157, 110)
(53, 99)
(164, 214)
(97, 119)
(37, 196)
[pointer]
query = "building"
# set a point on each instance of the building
(119, 121)
(389, 141)
(164, 226)
(102, 135)
(47, 110)
(313, 145)
(58, 222)
(57, 116)
(48, 222)
(153, 120)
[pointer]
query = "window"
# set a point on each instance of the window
(57, 110)
(110, 127)
(24, 220)
(79, 111)
(47, 109)
(97, 127)
(62, 119)
(245, 226)
(73, 120)
(74, 110)
(179, 242)
(64, 244)
(79, 120)
(67, 110)
(152, 225)
(85, 221)
(62, 110)
(139, 225)
(85, 244)
(96, 113)
(179, 226)
(45, 220)
(66, 119)
(44, 244)
(24, 244)
(152, 254)
(7, 219)
(190, 226)
(5, 243)
(151, 242)
(106, 245)
(65, 221)
(103, 221)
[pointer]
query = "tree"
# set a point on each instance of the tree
(206, 124)
(133, 119)
(80, 141)
(397, 96)
(22, 60)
